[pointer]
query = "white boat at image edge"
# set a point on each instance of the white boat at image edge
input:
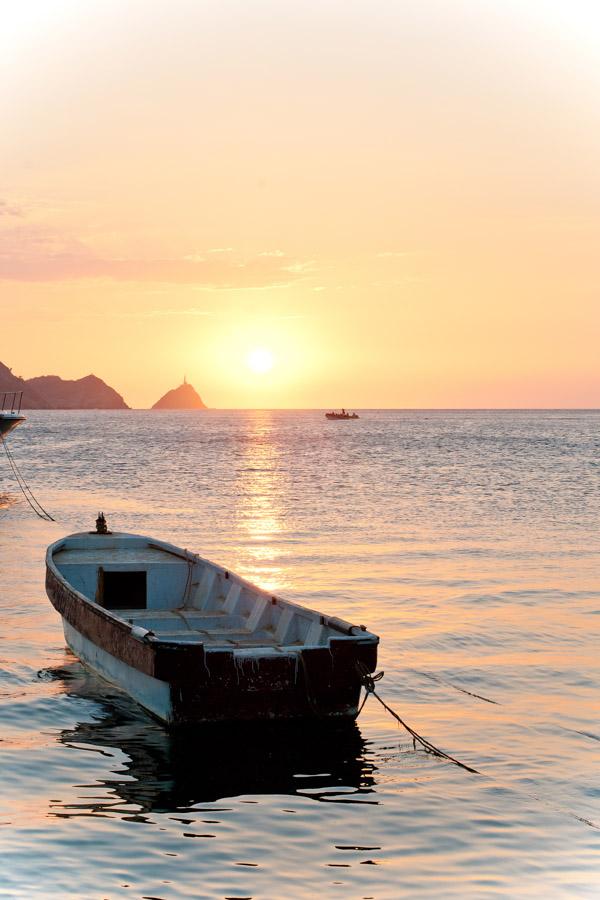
(191, 642)
(10, 411)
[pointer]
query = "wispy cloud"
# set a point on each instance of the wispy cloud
(191, 311)
(29, 253)
(277, 318)
(9, 209)
(301, 267)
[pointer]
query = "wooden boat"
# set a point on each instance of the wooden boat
(191, 642)
(341, 415)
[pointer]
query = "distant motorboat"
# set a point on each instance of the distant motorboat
(192, 643)
(341, 415)
(10, 411)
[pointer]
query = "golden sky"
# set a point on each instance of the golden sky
(400, 201)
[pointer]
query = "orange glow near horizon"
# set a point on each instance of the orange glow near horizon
(372, 198)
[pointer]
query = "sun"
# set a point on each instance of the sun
(260, 360)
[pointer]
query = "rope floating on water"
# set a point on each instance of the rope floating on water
(368, 681)
(455, 687)
(24, 487)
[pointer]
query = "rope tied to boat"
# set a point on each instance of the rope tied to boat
(32, 500)
(369, 681)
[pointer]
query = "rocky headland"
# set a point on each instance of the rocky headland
(53, 392)
(9, 383)
(89, 392)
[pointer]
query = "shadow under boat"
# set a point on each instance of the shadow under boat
(170, 770)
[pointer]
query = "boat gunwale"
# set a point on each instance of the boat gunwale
(104, 613)
(346, 630)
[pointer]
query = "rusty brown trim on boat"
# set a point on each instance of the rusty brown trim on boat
(319, 681)
(98, 626)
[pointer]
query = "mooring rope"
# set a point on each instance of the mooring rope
(455, 687)
(368, 681)
(24, 487)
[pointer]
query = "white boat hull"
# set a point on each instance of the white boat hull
(151, 693)
(8, 421)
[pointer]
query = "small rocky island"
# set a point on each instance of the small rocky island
(183, 397)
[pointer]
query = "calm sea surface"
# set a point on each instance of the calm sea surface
(468, 541)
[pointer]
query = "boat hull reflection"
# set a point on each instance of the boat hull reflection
(171, 770)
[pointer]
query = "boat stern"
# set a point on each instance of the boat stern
(9, 421)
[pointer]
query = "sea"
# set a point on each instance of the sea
(467, 540)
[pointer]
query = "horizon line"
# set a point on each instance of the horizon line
(324, 408)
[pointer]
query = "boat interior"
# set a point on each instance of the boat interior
(181, 597)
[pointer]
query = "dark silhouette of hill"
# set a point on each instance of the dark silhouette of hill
(183, 397)
(32, 399)
(83, 393)
(53, 392)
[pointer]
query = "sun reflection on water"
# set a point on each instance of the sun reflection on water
(260, 513)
